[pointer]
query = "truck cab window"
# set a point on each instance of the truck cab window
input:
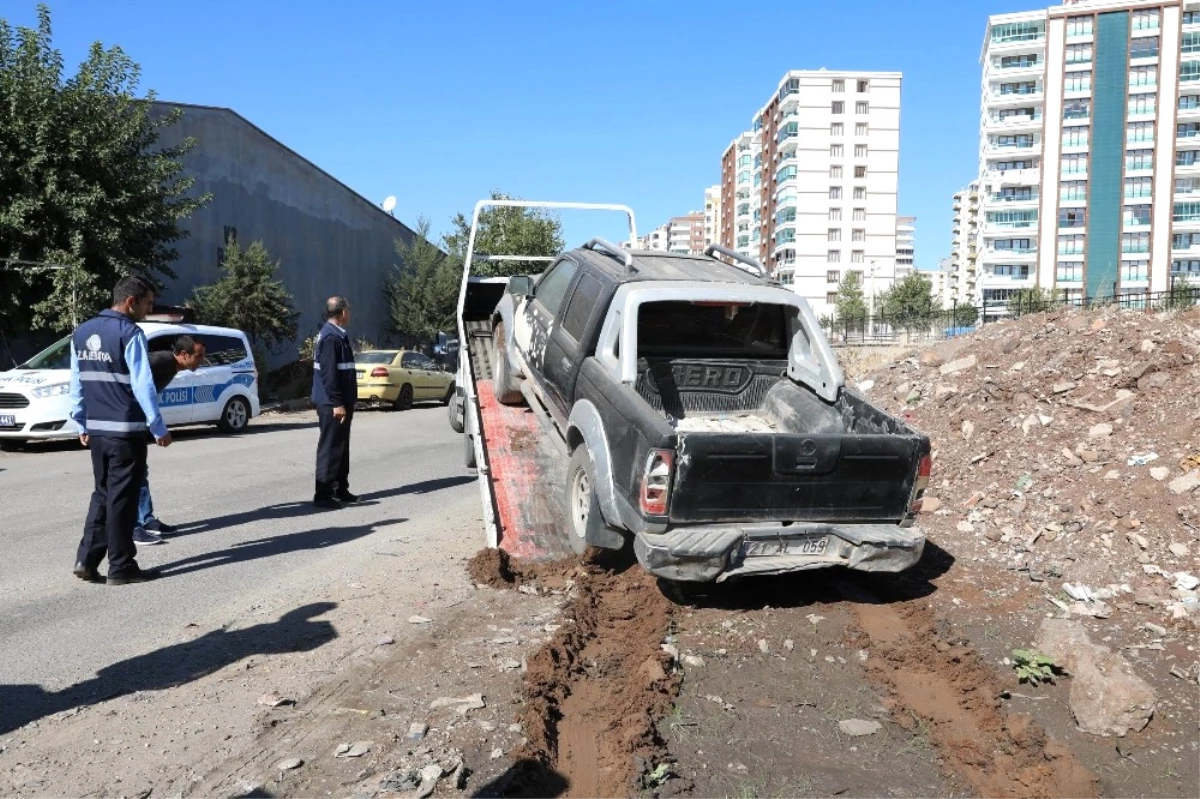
(552, 288)
(583, 302)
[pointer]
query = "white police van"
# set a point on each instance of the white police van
(35, 398)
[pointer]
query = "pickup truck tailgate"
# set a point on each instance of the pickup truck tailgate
(789, 477)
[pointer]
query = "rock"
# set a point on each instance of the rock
(932, 359)
(859, 727)
(814, 618)
(1102, 430)
(289, 764)
(1062, 387)
(763, 646)
(789, 644)
(913, 397)
(966, 527)
(1186, 483)
(385, 640)
(943, 392)
(866, 386)
(274, 700)
(694, 661)
(1153, 381)
(671, 650)
(1088, 455)
(974, 500)
(968, 429)
(1138, 540)
(1098, 325)
(957, 366)
(1106, 697)
(1112, 474)
(419, 620)
(508, 664)
(1154, 629)
(1010, 343)
(417, 730)
(930, 504)
(1179, 550)
(357, 749)
(1045, 420)
(901, 391)
(497, 754)
(1143, 368)
(1030, 422)
(429, 780)
(1148, 345)
(1160, 473)
(462, 705)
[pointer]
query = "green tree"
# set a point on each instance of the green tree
(909, 303)
(851, 308)
(422, 290)
(1034, 299)
(507, 231)
(964, 315)
(83, 181)
(248, 297)
(1182, 295)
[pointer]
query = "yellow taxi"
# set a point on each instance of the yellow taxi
(401, 377)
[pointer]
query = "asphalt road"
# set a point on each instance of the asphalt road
(247, 530)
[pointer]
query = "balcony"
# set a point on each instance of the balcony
(1013, 201)
(1015, 177)
(997, 99)
(1015, 122)
(1020, 256)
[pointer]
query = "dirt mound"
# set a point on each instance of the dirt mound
(592, 695)
(1063, 447)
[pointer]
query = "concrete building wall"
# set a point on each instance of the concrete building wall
(329, 239)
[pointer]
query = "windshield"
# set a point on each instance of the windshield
(725, 329)
(56, 356)
(374, 357)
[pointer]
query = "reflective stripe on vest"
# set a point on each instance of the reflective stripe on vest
(345, 365)
(104, 377)
(115, 427)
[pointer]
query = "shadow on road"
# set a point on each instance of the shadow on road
(423, 487)
(799, 589)
(275, 545)
(170, 666)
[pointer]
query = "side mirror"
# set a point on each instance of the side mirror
(520, 284)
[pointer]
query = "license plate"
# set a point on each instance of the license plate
(359, 374)
(8, 420)
(786, 546)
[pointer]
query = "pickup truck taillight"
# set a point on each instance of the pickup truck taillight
(656, 482)
(379, 371)
(924, 469)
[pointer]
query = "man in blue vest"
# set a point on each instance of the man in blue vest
(334, 391)
(113, 401)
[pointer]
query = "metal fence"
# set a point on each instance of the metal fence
(916, 327)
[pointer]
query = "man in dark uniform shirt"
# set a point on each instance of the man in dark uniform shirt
(334, 391)
(185, 355)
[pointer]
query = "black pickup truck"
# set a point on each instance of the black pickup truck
(704, 415)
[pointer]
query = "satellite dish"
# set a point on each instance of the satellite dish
(389, 203)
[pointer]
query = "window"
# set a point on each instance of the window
(1068, 272)
(1014, 194)
(1143, 76)
(1019, 32)
(785, 236)
(785, 174)
(1146, 47)
(791, 86)
(1005, 166)
(552, 286)
(1070, 244)
(1138, 132)
(860, 171)
(839, 85)
(856, 257)
(785, 215)
(1187, 130)
(1189, 102)
(1012, 219)
(860, 214)
(788, 131)
(1076, 109)
(744, 161)
(835, 234)
(835, 192)
(838, 107)
(222, 350)
(1075, 164)
(1134, 271)
(1141, 104)
(835, 151)
(1018, 271)
(1013, 245)
(1079, 82)
(1138, 187)
(1079, 26)
(1189, 71)
(1186, 158)
(1072, 217)
(833, 276)
(858, 234)
(833, 257)
(861, 108)
(1075, 137)
(1191, 17)
(1021, 140)
(230, 234)
(1017, 61)
(860, 151)
(860, 129)
(864, 86)
(836, 129)
(1185, 267)
(583, 302)
(1187, 185)
(835, 214)
(1135, 242)
(1185, 241)
(1186, 212)
(1079, 53)
(1023, 87)
(1073, 191)
(835, 171)
(1191, 42)
(677, 326)
(860, 192)
(1136, 215)
(1139, 159)
(831, 297)
(1145, 20)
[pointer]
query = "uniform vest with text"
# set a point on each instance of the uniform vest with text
(111, 408)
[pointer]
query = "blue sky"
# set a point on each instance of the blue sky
(437, 103)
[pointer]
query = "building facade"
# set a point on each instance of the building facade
(961, 282)
(685, 234)
(712, 215)
(1089, 142)
(906, 229)
(810, 190)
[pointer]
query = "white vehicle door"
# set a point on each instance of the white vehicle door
(215, 379)
(175, 400)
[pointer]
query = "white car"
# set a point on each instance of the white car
(35, 400)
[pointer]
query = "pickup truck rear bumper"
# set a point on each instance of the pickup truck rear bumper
(720, 552)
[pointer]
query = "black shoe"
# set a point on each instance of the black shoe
(329, 503)
(346, 497)
(145, 537)
(160, 527)
(139, 576)
(87, 573)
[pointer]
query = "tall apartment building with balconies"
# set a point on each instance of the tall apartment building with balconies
(906, 229)
(962, 286)
(811, 189)
(1089, 142)
(712, 215)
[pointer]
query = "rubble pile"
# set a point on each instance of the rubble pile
(1066, 446)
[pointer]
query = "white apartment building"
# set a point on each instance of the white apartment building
(712, 215)
(906, 229)
(962, 283)
(1089, 142)
(811, 188)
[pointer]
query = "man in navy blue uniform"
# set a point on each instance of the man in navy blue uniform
(334, 391)
(113, 401)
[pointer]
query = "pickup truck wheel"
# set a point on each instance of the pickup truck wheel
(449, 395)
(504, 385)
(584, 520)
(455, 411)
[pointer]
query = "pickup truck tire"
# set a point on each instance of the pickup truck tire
(505, 385)
(585, 522)
(455, 411)
(449, 395)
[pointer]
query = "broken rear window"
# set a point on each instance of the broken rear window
(726, 329)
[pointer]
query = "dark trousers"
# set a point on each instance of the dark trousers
(333, 453)
(119, 466)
